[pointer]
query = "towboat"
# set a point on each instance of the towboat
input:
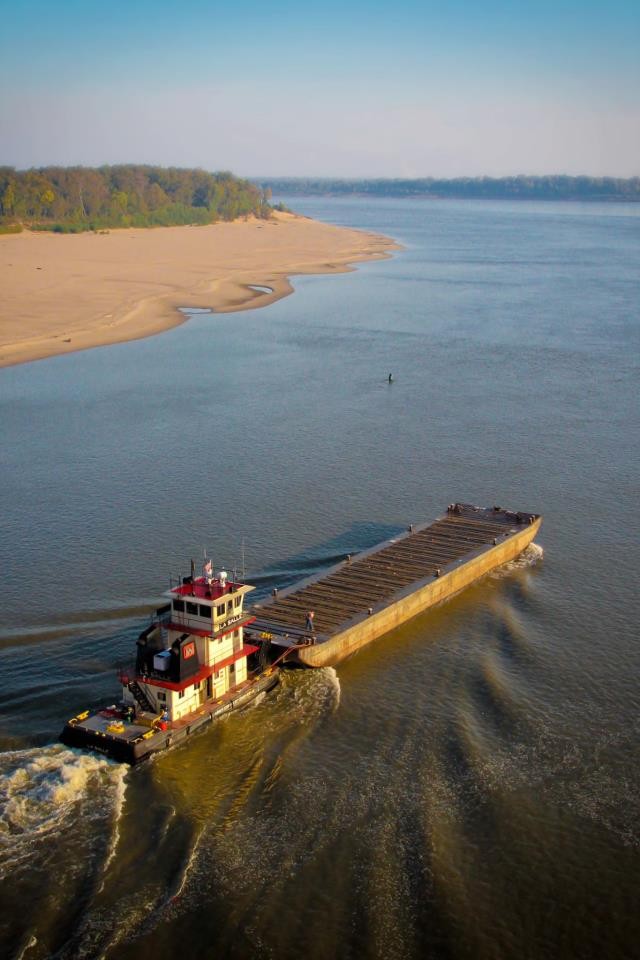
(192, 665)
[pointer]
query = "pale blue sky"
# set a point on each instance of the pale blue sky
(337, 89)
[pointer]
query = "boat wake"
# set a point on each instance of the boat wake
(42, 793)
(316, 693)
(590, 781)
(120, 786)
(28, 945)
(529, 557)
(181, 880)
(135, 922)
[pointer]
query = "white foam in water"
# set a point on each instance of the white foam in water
(317, 692)
(135, 919)
(119, 775)
(256, 700)
(31, 942)
(40, 791)
(182, 880)
(334, 684)
(131, 919)
(528, 558)
(166, 826)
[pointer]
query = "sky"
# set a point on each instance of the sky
(339, 89)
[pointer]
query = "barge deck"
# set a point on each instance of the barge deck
(362, 598)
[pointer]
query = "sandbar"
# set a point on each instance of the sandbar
(60, 293)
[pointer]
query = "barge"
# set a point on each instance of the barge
(203, 656)
(326, 618)
(192, 666)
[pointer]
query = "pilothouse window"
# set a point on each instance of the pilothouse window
(192, 608)
(178, 605)
(205, 611)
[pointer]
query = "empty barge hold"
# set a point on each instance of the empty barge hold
(363, 598)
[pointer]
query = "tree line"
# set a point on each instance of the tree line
(558, 187)
(72, 199)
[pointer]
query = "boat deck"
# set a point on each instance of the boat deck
(357, 587)
(108, 732)
(106, 724)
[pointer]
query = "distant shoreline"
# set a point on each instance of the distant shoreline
(550, 188)
(64, 293)
(427, 198)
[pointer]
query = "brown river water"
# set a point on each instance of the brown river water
(467, 786)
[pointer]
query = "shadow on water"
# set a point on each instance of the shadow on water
(81, 673)
(62, 626)
(353, 540)
(494, 695)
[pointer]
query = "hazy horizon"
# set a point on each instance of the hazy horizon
(355, 178)
(351, 91)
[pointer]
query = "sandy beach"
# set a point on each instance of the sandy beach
(62, 293)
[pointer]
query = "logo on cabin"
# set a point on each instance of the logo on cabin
(188, 650)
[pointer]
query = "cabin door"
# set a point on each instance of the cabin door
(209, 688)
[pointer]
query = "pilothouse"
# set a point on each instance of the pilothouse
(194, 653)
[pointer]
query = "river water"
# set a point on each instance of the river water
(468, 786)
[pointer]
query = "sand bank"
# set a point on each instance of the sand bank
(61, 293)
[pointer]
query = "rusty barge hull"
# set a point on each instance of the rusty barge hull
(360, 599)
